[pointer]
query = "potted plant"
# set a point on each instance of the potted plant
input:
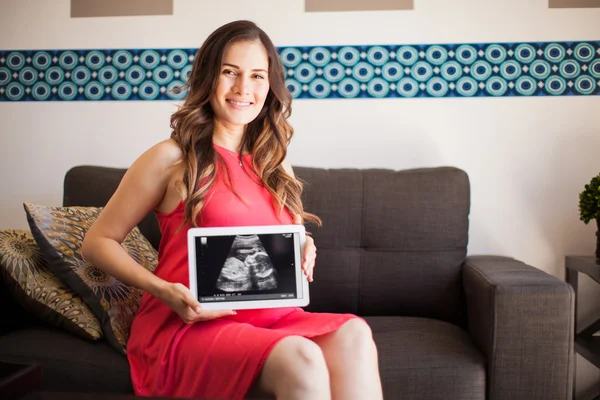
(589, 207)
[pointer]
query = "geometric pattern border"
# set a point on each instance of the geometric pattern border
(377, 71)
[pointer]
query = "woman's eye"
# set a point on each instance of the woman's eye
(228, 72)
(259, 76)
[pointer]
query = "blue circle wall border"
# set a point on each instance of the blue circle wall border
(319, 72)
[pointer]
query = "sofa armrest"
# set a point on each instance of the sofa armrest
(522, 319)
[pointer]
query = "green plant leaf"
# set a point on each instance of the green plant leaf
(589, 200)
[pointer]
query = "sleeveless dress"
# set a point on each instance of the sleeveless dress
(221, 358)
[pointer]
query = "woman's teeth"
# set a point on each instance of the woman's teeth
(239, 103)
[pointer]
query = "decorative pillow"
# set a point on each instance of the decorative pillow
(40, 292)
(59, 231)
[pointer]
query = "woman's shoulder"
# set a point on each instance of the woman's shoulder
(157, 170)
(158, 161)
(167, 152)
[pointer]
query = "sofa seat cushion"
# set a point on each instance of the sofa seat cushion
(418, 357)
(69, 363)
(427, 359)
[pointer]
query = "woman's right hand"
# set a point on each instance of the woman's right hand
(180, 299)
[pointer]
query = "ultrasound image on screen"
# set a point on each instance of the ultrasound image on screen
(245, 267)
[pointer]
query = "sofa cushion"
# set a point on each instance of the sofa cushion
(424, 358)
(27, 277)
(69, 363)
(409, 231)
(336, 281)
(415, 235)
(416, 210)
(337, 197)
(59, 232)
(427, 359)
(424, 284)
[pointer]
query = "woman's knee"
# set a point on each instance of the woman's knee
(356, 335)
(301, 356)
(295, 363)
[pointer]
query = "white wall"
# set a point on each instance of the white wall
(527, 158)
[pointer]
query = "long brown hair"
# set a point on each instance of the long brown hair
(266, 137)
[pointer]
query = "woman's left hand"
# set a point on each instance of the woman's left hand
(310, 253)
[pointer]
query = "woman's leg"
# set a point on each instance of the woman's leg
(295, 369)
(351, 358)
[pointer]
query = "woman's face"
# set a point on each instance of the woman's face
(242, 86)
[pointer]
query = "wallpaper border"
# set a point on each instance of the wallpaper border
(315, 72)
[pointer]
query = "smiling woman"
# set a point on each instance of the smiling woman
(225, 165)
(242, 87)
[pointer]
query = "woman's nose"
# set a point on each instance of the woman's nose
(241, 85)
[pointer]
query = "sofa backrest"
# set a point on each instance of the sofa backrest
(392, 242)
(93, 186)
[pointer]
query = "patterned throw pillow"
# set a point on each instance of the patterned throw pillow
(29, 281)
(59, 231)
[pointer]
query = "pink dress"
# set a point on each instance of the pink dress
(217, 359)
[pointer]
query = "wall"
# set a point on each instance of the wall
(527, 158)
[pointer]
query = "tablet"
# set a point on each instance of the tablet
(248, 267)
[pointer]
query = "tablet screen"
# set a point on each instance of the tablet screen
(246, 267)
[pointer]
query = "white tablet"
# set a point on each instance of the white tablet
(248, 267)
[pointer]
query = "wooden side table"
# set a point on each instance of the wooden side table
(586, 344)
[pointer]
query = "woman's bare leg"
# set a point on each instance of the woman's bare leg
(352, 361)
(295, 370)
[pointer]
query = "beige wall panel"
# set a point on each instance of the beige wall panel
(574, 3)
(357, 5)
(119, 8)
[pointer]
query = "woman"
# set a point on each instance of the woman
(224, 165)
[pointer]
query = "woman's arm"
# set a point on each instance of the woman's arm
(142, 189)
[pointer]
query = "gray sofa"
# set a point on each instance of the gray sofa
(393, 249)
